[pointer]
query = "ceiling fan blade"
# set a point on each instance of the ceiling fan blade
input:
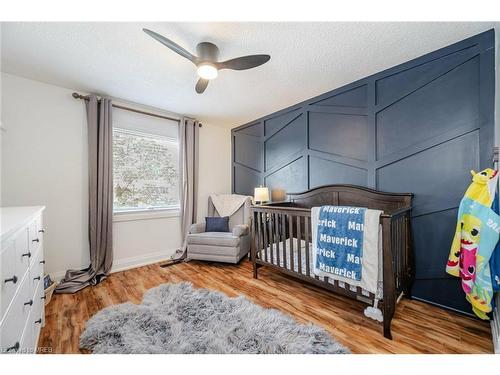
(245, 62)
(172, 45)
(201, 85)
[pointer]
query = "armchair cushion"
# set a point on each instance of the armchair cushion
(241, 230)
(197, 228)
(213, 239)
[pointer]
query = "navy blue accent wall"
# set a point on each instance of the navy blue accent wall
(418, 127)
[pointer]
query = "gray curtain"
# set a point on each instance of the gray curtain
(189, 131)
(100, 155)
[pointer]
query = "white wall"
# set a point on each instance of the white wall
(215, 165)
(44, 162)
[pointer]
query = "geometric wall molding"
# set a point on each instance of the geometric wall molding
(437, 176)
(291, 177)
(356, 97)
(245, 179)
(325, 172)
(274, 124)
(254, 130)
(339, 134)
(249, 151)
(397, 85)
(417, 127)
(287, 141)
(400, 125)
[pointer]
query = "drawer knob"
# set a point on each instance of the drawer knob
(36, 278)
(36, 240)
(39, 321)
(13, 279)
(42, 262)
(41, 231)
(14, 348)
(29, 303)
(28, 254)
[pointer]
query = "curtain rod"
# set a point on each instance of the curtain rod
(78, 96)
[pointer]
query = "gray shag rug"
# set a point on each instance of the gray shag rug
(177, 318)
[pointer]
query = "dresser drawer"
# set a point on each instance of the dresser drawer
(8, 278)
(21, 278)
(35, 241)
(34, 322)
(38, 318)
(15, 261)
(40, 229)
(36, 270)
(23, 253)
(16, 319)
(28, 341)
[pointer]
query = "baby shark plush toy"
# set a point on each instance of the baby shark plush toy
(476, 235)
(483, 187)
(469, 244)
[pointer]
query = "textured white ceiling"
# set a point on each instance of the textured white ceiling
(307, 59)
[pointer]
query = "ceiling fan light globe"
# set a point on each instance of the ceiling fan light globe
(207, 71)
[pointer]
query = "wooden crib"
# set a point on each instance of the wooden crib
(281, 237)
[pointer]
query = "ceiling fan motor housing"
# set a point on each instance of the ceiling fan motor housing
(207, 52)
(207, 61)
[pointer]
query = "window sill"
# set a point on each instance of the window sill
(145, 214)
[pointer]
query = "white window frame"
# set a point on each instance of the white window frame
(146, 213)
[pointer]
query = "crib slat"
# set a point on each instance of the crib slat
(264, 228)
(398, 255)
(283, 237)
(395, 251)
(299, 246)
(306, 235)
(409, 255)
(253, 250)
(401, 251)
(271, 237)
(259, 233)
(277, 238)
(406, 258)
(290, 234)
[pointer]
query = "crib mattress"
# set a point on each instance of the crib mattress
(274, 260)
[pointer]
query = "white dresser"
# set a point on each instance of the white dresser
(22, 297)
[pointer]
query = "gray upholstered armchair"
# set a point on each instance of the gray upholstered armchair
(227, 247)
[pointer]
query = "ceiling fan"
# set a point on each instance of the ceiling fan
(207, 60)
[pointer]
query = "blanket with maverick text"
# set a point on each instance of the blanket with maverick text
(346, 245)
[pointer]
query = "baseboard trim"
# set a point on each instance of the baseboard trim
(57, 276)
(128, 263)
(142, 260)
(445, 307)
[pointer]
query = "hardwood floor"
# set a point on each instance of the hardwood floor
(417, 327)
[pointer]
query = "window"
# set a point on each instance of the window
(145, 163)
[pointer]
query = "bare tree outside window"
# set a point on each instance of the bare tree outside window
(145, 171)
